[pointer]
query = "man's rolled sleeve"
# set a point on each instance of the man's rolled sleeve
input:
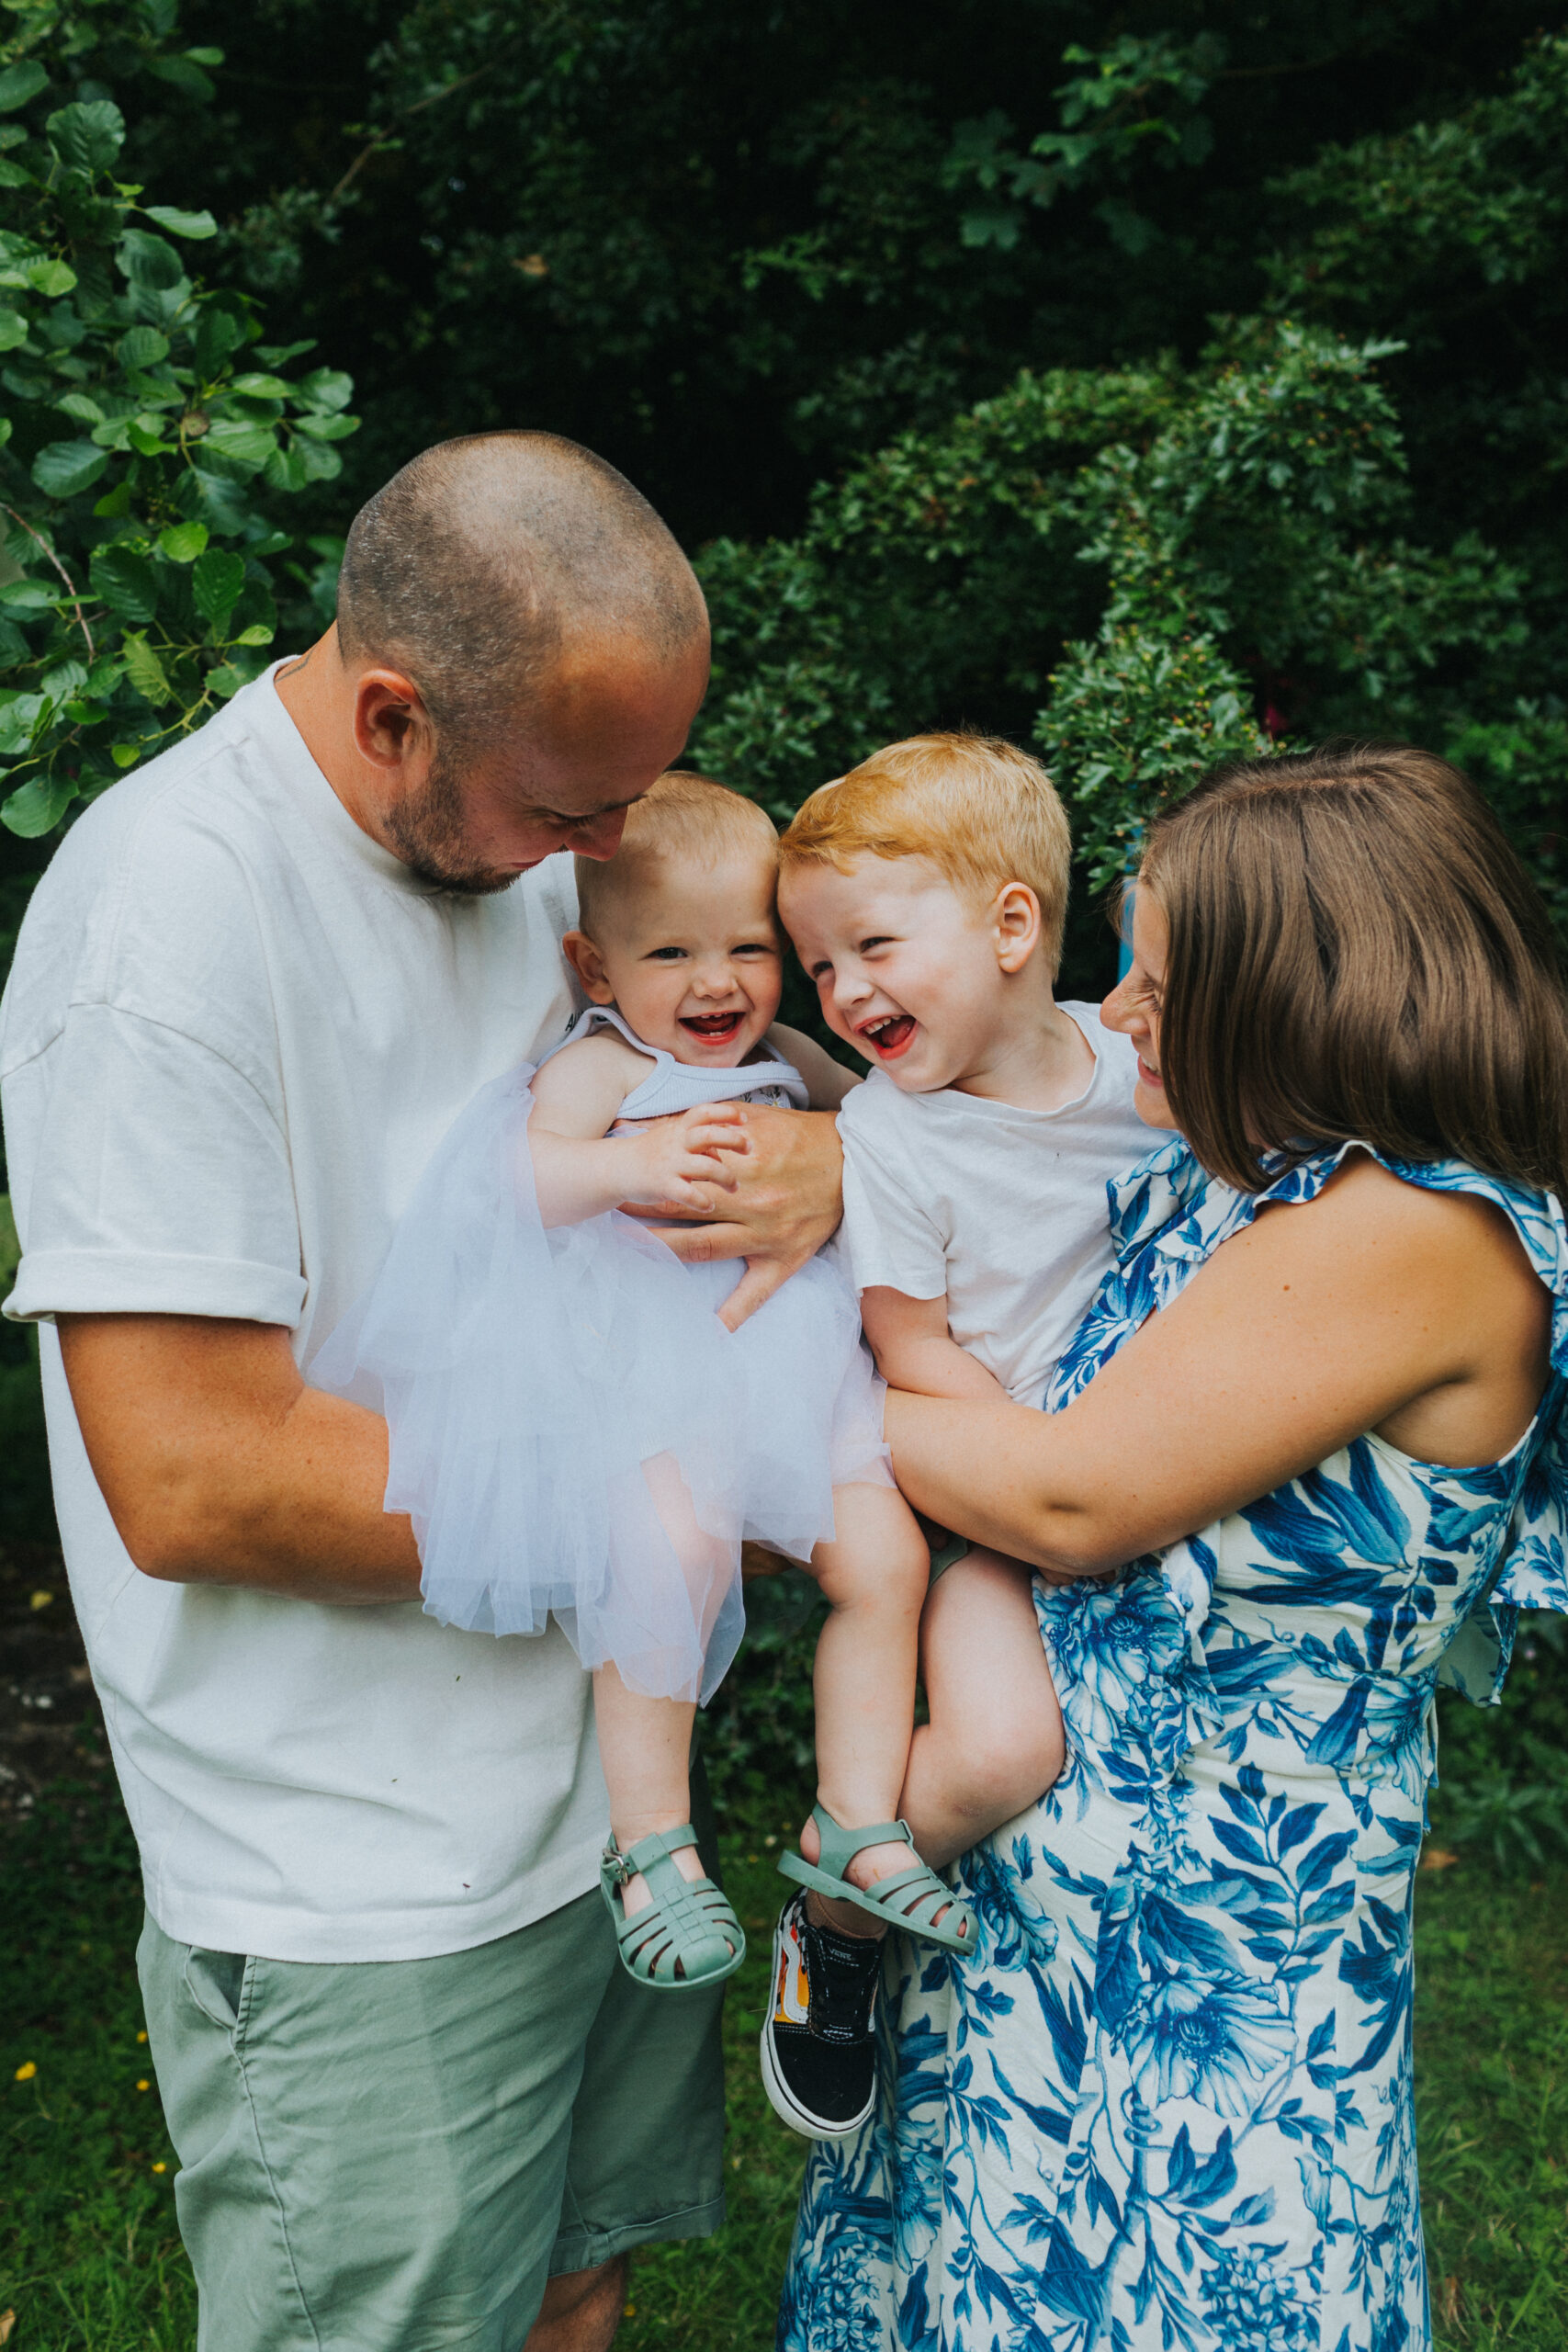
(158, 1180)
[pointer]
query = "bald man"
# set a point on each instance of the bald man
(416, 2102)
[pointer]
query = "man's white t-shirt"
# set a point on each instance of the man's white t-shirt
(234, 1032)
(1003, 1210)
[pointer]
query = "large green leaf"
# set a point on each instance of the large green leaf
(318, 462)
(218, 333)
(327, 428)
(216, 582)
(27, 595)
(183, 73)
(13, 329)
(63, 467)
(37, 805)
(19, 83)
(126, 583)
(183, 542)
(142, 348)
(149, 261)
(181, 224)
(87, 137)
(19, 715)
(238, 439)
(145, 670)
(326, 387)
(51, 278)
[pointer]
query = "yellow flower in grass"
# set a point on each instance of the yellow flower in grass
(25, 2074)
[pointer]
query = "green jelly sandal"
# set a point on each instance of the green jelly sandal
(910, 1900)
(688, 1925)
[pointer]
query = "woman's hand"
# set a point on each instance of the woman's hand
(684, 1163)
(1377, 1307)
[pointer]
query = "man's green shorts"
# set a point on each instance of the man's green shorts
(393, 2156)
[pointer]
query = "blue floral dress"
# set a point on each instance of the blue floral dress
(1169, 2101)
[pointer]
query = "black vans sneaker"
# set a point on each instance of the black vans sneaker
(819, 2048)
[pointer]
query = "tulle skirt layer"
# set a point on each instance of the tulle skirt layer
(573, 1432)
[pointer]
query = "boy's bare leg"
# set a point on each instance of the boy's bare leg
(874, 1576)
(994, 1743)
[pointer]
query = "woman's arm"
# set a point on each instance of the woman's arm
(915, 1350)
(828, 1081)
(580, 1170)
(1378, 1307)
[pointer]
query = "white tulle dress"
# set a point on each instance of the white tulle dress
(542, 1388)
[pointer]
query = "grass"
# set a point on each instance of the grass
(93, 2262)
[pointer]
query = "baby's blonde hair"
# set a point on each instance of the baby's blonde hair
(983, 811)
(685, 817)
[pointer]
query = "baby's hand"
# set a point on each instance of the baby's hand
(678, 1164)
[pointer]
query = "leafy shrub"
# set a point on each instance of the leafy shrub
(146, 427)
(1124, 565)
(1503, 1784)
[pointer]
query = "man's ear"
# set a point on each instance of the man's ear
(588, 966)
(1015, 916)
(392, 729)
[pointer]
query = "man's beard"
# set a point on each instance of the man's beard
(427, 831)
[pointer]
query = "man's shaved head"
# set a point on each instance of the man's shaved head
(485, 560)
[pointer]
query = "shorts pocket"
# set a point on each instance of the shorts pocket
(220, 1984)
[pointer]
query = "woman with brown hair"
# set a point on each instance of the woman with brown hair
(1304, 1460)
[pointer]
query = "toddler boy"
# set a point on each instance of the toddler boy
(926, 894)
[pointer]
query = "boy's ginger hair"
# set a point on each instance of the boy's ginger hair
(682, 816)
(980, 810)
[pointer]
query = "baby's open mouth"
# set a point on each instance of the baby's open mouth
(891, 1035)
(713, 1028)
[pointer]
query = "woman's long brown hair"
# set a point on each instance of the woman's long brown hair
(1357, 954)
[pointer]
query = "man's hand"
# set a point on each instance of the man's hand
(219, 1466)
(787, 1200)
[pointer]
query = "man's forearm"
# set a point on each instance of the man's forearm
(219, 1466)
(306, 1521)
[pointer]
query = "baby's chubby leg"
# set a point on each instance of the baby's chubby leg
(874, 1577)
(644, 1745)
(994, 1743)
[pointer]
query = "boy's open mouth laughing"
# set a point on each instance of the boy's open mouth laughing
(889, 1035)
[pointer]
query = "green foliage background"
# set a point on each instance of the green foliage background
(1147, 383)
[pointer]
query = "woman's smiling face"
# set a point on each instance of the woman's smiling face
(1133, 1005)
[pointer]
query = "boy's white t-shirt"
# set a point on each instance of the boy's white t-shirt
(234, 1032)
(1001, 1209)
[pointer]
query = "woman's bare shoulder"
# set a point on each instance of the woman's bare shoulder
(1366, 1207)
(1402, 1270)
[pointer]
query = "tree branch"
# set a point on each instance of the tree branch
(382, 137)
(70, 584)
